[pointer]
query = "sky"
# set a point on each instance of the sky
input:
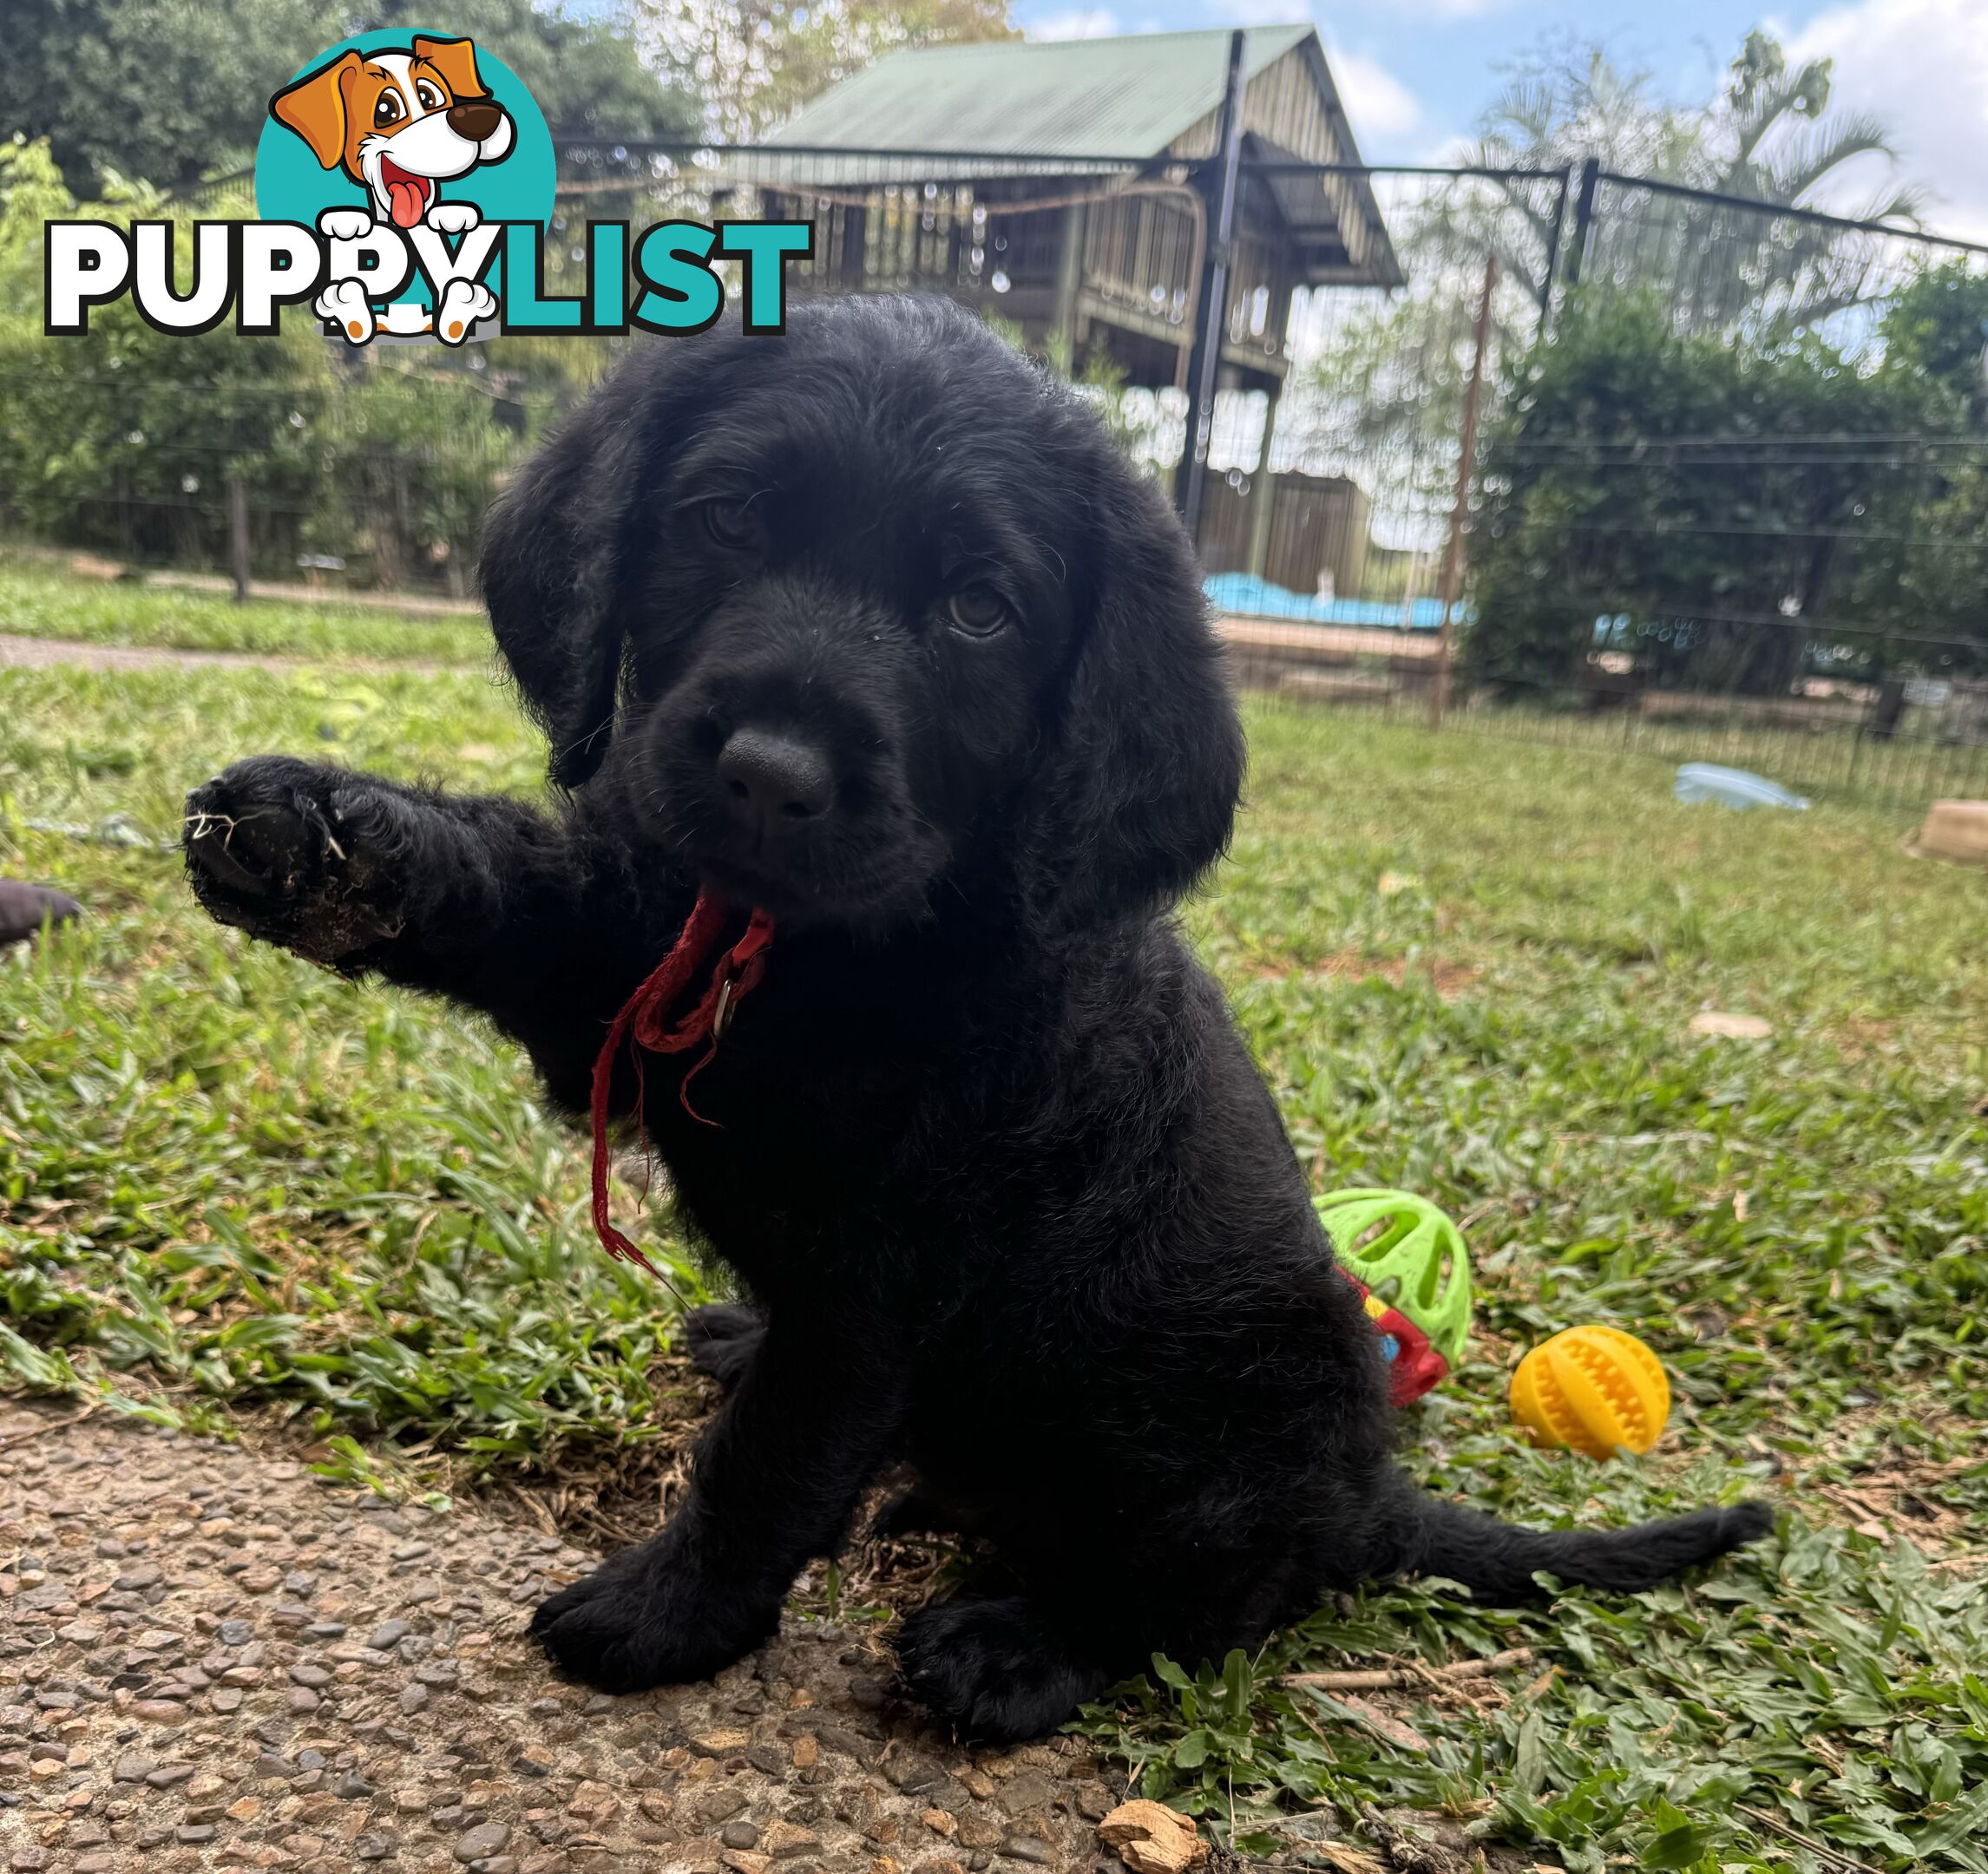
(1414, 74)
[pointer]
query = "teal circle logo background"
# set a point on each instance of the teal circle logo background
(290, 187)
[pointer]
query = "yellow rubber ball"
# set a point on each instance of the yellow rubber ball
(1592, 1389)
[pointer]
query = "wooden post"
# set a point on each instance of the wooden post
(238, 536)
(1460, 513)
(1070, 285)
(1263, 493)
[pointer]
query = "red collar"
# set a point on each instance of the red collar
(643, 1015)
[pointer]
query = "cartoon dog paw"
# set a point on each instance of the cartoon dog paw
(344, 224)
(463, 302)
(452, 217)
(343, 303)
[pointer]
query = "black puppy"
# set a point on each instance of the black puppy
(869, 628)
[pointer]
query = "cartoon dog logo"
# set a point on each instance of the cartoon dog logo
(400, 123)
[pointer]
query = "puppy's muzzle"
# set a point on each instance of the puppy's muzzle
(476, 122)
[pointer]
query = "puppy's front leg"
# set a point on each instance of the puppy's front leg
(361, 873)
(777, 1480)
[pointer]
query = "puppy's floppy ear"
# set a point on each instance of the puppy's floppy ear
(455, 59)
(552, 570)
(315, 108)
(1136, 795)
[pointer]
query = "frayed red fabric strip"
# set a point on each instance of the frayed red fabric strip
(641, 1018)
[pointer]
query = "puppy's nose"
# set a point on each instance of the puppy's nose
(475, 121)
(772, 783)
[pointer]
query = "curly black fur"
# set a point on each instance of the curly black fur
(871, 627)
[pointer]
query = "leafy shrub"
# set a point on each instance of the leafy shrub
(1721, 513)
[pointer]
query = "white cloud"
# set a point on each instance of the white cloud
(1376, 101)
(1079, 22)
(1922, 66)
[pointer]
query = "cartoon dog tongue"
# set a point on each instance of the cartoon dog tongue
(405, 196)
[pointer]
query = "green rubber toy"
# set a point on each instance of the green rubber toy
(1393, 1246)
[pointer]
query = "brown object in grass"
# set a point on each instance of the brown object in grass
(1386, 1679)
(1150, 1839)
(1955, 829)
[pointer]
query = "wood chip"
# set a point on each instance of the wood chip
(1402, 1735)
(1347, 1860)
(1731, 1027)
(1150, 1839)
(1395, 1678)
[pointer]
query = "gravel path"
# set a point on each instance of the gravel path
(40, 654)
(210, 1659)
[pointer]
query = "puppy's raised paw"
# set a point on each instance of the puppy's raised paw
(292, 854)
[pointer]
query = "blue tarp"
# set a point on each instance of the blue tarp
(1731, 787)
(1247, 596)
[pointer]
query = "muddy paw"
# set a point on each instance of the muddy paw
(289, 853)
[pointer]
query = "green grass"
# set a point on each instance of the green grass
(38, 601)
(230, 1183)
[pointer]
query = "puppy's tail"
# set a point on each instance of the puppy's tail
(1498, 1560)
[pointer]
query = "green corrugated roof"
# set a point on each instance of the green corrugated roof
(1074, 98)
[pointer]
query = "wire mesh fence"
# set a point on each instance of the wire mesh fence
(1728, 496)
(1729, 503)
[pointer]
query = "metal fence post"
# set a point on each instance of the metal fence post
(1212, 315)
(1555, 229)
(238, 536)
(1459, 514)
(1582, 250)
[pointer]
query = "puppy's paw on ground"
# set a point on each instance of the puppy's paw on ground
(990, 1669)
(635, 1623)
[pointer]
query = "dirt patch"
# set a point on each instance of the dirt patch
(1448, 980)
(42, 653)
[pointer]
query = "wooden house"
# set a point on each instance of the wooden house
(1068, 187)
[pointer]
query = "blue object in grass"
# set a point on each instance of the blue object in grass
(1732, 787)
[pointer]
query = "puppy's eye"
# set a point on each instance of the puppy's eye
(979, 611)
(386, 111)
(430, 98)
(734, 523)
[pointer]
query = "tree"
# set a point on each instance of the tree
(756, 62)
(581, 66)
(1938, 325)
(127, 438)
(1725, 515)
(1937, 329)
(1752, 142)
(1381, 397)
(176, 90)
(172, 90)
